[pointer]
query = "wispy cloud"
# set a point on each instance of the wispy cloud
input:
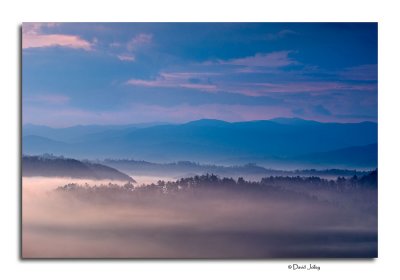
(130, 48)
(139, 40)
(126, 57)
(33, 37)
(268, 60)
(202, 81)
(187, 80)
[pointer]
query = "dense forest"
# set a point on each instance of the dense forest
(214, 182)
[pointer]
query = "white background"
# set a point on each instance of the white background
(13, 13)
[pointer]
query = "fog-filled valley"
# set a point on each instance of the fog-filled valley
(204, 216)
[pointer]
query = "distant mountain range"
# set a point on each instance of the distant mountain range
(185, 169)
(49, 166)
(280, 141)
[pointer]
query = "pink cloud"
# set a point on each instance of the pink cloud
(188, 75)
(148, 83)
(177, 80)
(53, 40)
(32, 37)
(270, 60)
(204, 87)
(183, 80)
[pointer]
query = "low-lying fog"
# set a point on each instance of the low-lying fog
(208, 223)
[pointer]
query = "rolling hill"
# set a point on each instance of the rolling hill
(65, 167)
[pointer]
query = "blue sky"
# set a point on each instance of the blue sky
(121, 73)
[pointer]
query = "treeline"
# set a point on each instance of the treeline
(212, 181)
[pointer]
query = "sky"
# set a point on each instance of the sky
(126, 73)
